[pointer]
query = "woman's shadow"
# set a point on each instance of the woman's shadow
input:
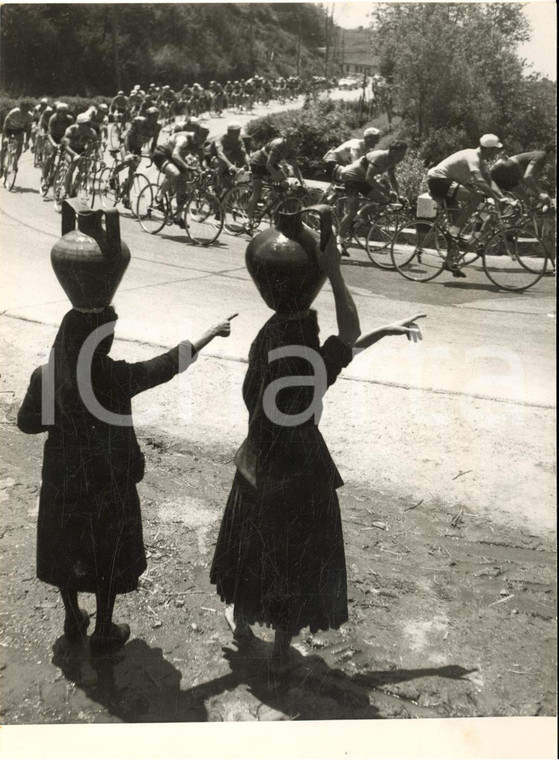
(138, 684)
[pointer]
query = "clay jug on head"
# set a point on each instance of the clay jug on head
(89, 260)
(283, 260)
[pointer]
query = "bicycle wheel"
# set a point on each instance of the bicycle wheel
(234, 209)
(105, 194)
(113, 138)
(151, 215)
(203, 218)
(139, 182)
(515, 258)
(10, 170)
(378, 243)
(416, 250)
(58, 185)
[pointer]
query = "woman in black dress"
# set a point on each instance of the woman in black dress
(89, 536)
(279, 558)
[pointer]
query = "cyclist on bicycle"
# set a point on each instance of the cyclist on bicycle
(520, 174)
(99, 120)
(176, 158)
(167, 101)
(79, 140)
(119, 108)
(349, 151)
(360, 179)
(464, 176)
(56, 129)
(134, 102)
(37, 115)
(266, 163)
(142, 129)
(230, 154)
(16, 124)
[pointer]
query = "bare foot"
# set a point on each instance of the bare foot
(240, 628)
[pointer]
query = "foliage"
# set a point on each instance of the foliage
(322, 124)
(97, 48)
(457, 74)
(412, 177)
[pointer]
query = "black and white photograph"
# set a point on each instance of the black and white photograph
(278, 386)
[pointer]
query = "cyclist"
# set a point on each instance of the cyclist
(360, 178)
(99, 120)
(176, 158)
(464, 176)
(119, 108)
(37, 114)
(230, 154)
(167, 101)
(16, 124)
(349, 151)
(56, 129)
(266, 163)
(79, 139)
(143, 129)
(520, 174)
(134, 101)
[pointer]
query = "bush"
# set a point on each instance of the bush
(323, 124)
(412, 176)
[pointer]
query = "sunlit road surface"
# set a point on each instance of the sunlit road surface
(478, 341)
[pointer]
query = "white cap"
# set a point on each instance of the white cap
(490, 141)
(83, 118)
(371, 132)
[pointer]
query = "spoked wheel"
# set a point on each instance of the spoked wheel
(418, 250)
(10, 171)
(58, 185)
(139, 182)
(203, 218)
(379, 241)
(113, 138)
(515, 258)
(105, 194)
(151, 214)
(234, 209)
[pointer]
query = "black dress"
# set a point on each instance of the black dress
(280, 555)
(90, 526)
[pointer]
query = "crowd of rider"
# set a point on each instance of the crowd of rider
(364, 170)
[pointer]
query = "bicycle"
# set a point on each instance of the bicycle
(276, 197)
(10, 163)
(202, 214)
(512, 255)
(39, 149)
(48, 181)
(111, 190)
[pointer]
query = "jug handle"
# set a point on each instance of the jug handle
(326, 221)
(112, 225)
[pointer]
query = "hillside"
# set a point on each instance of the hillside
(94, 49)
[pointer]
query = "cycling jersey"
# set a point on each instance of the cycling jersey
(230, 149)
(509, 172)
(17, 120)
(80, 136)
(139, 132)
(119, 103)
(273, 153)
(460, 166)
(45, 118)
(57, 126)
(184, 143)
(38, 112)
(347, 152)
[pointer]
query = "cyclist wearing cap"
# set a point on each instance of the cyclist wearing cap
(119, 108)
(176, 158)
(37, 114)
(266, 163)
(78, 140)
(230, 154)
(349, 151)
(16, 124)
(520, 174)
(142, 129)
(360, 178)
(56, 129)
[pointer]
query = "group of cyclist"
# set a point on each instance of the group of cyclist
(364, 171)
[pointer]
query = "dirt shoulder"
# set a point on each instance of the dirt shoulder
(452, 601)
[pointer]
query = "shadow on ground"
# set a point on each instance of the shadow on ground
(138, 684)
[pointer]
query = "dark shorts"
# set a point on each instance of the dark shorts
(357, 188)
(441, 189)
(13, 132)
(259, 172)
(506, 175)
(135, 150)
(329, 168)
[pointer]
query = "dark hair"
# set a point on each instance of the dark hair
(398, 145)
(550, 148)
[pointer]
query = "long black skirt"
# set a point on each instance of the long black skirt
(93, 541)
(281, 559)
